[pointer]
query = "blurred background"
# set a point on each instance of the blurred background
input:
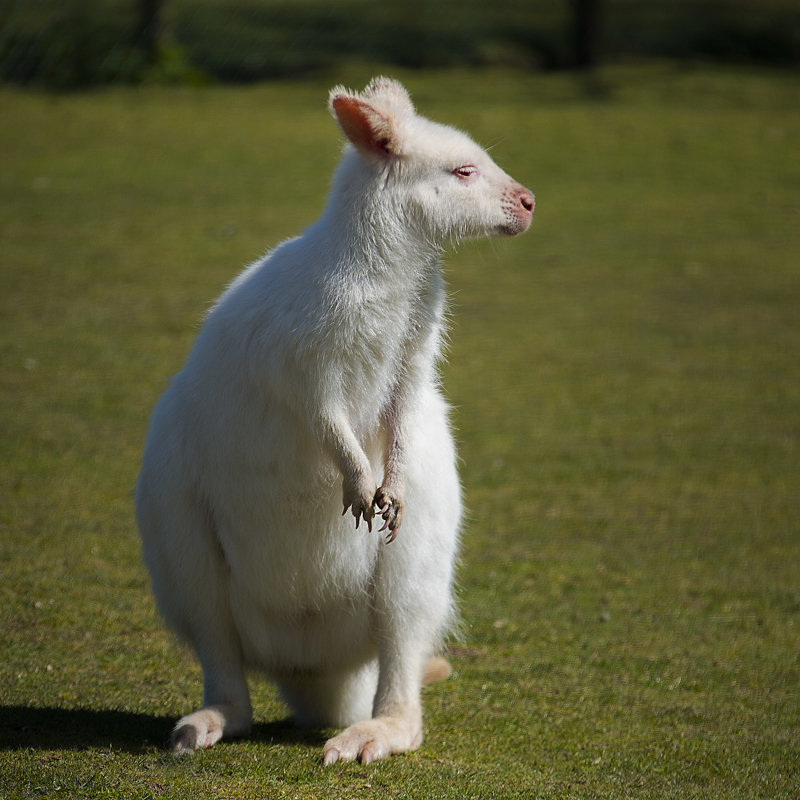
(77, 43)
(624, 378)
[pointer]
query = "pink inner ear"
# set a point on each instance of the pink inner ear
(366, 128)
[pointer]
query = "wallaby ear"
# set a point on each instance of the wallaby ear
(372, 131)
(389, 92)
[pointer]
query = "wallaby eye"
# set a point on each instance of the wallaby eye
(466, 172)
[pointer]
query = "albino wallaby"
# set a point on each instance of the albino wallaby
(313, 386)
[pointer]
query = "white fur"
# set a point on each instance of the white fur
(313, 386)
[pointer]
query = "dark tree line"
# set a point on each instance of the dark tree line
(585, 30)
(149, 27)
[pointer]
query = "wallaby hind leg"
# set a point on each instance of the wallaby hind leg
(331, 699)
(226, 710)
(191, 584)
(226, 707)
(396, 723)
(396, 726)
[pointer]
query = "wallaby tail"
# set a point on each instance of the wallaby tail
(437, 669)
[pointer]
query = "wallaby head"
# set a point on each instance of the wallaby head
(429, 179)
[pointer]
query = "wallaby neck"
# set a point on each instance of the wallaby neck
(367, 232)
(355, 248)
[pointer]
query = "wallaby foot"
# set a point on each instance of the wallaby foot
(206, 727)
(374, 740)
(377, 738)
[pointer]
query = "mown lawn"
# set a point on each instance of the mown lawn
(626, 384)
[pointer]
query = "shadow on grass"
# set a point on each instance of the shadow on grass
(25, 727)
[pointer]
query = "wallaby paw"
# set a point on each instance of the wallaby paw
(390, 507)
(360, 499)
(373, 740)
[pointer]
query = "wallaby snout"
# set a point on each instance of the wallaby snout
(520, 207)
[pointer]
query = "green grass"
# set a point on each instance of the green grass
(626, 385)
